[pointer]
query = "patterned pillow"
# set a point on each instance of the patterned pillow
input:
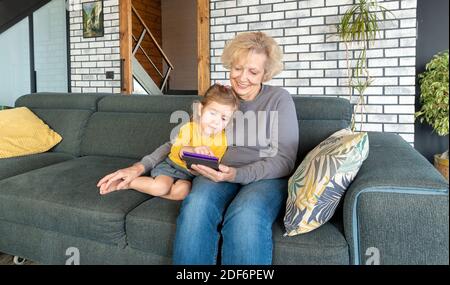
(315, 189)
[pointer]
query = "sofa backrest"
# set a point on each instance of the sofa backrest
(133, 126)
(318, 118)
(67, 114)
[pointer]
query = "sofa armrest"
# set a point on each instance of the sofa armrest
(396, 209)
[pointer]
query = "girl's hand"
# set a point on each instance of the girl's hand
(226, 173)
(203, 150)
(185, 149)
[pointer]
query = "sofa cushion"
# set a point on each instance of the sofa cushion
(54, 100)
(318, 184)
(69, 124)
(317, 120)
(128, 135)
(67, 114)
(147, 104)
(64, 198)
(325, 245)
(24, 133)
(151, 228)
(18, 165)
(113, 131)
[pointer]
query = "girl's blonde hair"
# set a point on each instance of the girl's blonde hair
(257, 42)
(220, 94)
(216, 93)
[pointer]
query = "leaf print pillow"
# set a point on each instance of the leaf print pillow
(318, 184)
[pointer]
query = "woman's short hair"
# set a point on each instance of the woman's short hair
(258, 42)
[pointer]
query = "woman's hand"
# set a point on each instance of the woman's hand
(120, 179)
(226, 173)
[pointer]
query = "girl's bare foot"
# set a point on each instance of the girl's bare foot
(112, 187)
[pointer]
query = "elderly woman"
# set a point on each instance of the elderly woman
(240, 202)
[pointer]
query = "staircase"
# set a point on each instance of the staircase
(142, 82)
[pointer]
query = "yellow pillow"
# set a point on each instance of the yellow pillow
(23, 133)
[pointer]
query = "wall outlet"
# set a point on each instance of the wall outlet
(110, 75)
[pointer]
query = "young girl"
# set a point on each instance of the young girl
(204, 135)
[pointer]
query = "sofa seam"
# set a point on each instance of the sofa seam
(60, 232)
(123, 237)
(61, 205)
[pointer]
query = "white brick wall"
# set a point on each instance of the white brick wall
(315, 58)
(50, 51)
(91, 58)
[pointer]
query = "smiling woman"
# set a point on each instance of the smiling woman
(245, 44)
(249, 182)
(247, 74)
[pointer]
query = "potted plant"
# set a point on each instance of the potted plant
(434, 102)
(360, 25)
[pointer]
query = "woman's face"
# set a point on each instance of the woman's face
(247, 74)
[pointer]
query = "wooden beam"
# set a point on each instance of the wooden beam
(126, 44)
(203, 57)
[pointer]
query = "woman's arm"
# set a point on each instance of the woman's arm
(158, 155)
(284, 141)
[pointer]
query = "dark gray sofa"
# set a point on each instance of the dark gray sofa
(49, 203)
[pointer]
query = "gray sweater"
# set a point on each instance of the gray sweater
(264, 147)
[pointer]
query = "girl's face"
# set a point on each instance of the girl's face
(214, 117)
(247, 74)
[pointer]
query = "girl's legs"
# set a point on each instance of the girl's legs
(247, 226)
(158, 186)
(161, 185)
(197, 236)
(179, 190)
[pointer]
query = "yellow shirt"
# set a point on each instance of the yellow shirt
(190, 135)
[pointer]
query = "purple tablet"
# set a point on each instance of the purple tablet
(195, 158)
(201, 156)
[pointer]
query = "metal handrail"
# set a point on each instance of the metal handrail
(145, 31)
(149, 59)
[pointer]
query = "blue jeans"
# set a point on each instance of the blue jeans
(242, 215)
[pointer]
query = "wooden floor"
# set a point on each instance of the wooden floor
(6, 259)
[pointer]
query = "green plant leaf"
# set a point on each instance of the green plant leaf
(360, 24)
(434, 84)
